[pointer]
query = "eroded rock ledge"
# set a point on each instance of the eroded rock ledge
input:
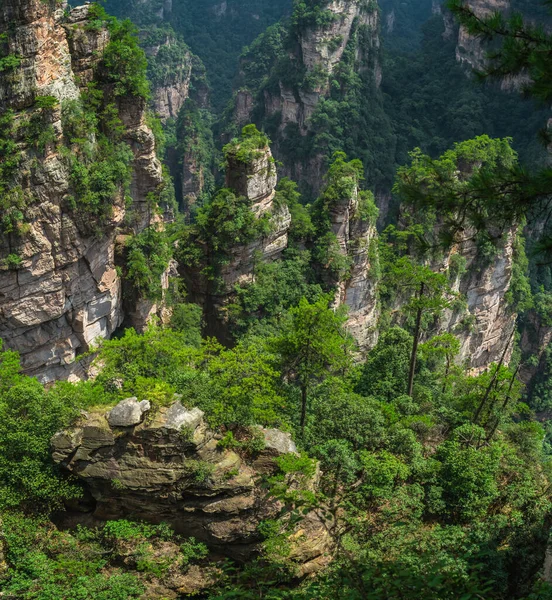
(170, 467)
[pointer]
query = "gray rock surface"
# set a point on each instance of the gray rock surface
(279, 441)
(66, 294)
(154, 473)
(318, 50)
(128, 412)
(178, 417)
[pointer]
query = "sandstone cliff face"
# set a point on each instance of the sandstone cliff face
(255, 181)
(174, 72)
(357, 239)
(470, 50)
(171, 95)
(65, 292)
(318, 54)
(485, 326)
(168, 467)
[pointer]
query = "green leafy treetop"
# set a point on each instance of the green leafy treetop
(478, 184)
(314, 345)
(249, 147)
(124, 63)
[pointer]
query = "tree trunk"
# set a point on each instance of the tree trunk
(415, 345)
(495, 375)
(447, 371)
(303, 409)
(504, 406)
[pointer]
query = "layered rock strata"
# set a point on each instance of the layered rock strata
(351, 28)
(256, 182)
(486, 324)
(357, 239)
(63, 292)
(172, 89)
(169, 467)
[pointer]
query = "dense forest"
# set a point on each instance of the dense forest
(276, 300)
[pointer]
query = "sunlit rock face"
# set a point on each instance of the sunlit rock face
(486, 323)
(66, 292)
(255, 181)
(319, 51)
(169, 467)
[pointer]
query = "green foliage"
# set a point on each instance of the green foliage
(47, 564)
(342, 189)
(385, 373)
(468, 473)
(196, 144)
(523, 46)
(124, 62)
(519, 296)
(469, 186)
(311, 13)
(228, 220)
(148, 256)
(313, 345)
(243, 389)
(302, 227)
(9, 63)
(217, 37)
(101, 171)
(248, 147)
(12, 199)
(432, 104)
(12, 262)
(187, 319)
(278, 286)
(29, 418)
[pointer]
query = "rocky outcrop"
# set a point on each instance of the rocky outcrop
(486, 324)
(357, 242)
(254, 180)
(470, 50)
(360, 291)
(171, 468)
(63, 291)
(351, 27)
(171, 65)
(321, 49)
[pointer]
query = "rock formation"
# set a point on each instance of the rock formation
(172, 90)
(255, 181)
(288, 103)
(60, 290)
(486, 324)
(170, 467)
(470, 50)
(352, 218)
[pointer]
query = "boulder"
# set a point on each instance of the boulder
(178, 417)
(128, 413)
(279, 441)
(154, 471)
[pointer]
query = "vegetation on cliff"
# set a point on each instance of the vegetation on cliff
(433, 478)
